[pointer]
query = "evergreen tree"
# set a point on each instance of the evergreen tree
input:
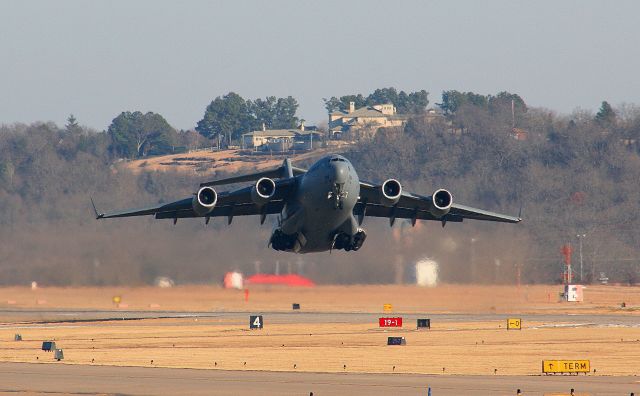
(606, 115)
(72, 125)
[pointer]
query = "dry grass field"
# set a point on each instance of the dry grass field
(226, 160)
(407, 299)
(226, 343)
(460, 348)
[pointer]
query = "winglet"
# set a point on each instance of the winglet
(520, 214)
(98, 215)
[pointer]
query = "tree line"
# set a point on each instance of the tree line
(572, 174)
(134, 134)
(405, 102)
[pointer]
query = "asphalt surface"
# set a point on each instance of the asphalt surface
(20, 378)
(71, 316)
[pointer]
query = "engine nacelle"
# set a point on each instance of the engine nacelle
(263, 191)
(390, 192)
(441, 201)
(204, 201)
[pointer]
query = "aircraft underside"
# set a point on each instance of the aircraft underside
(299, 243)
(336, 229)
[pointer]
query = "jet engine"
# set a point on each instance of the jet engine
(204, 201)
(391, 191)
(263, 191)
(441, 201)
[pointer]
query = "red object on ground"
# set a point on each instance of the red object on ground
(390, 322)
(246, 295)
(285, 280)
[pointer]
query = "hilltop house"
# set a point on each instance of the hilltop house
(282, 139)
(364, 119)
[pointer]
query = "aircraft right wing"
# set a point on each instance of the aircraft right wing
(418, 207)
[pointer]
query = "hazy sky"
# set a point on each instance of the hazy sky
(97, 58)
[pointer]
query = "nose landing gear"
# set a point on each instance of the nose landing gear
(338, 195)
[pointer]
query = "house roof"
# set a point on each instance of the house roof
(363, 112)
(273, 133)
(366, 112)
(279, 133)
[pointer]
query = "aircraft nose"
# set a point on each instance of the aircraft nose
(340, 172)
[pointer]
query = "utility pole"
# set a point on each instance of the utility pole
(580, 238)
(474, 270)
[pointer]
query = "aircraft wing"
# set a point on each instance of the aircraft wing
(285, 171)
(417, 207)
(229, 204)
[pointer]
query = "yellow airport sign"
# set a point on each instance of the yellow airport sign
(514, 324)
(565, 366)
(116, 299)
(387, 307)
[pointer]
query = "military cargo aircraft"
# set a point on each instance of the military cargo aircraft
(319, 209)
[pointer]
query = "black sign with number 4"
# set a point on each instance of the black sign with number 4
(256, 322)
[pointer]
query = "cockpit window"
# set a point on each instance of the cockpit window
(337, 159)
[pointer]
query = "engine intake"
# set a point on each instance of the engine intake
(391, 191)
(263, 191)
(441, 201)
(204, 201)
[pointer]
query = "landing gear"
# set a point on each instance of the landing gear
(281, 241)
(349, 242)
(358, 239)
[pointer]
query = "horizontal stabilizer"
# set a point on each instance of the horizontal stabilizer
(277, 173)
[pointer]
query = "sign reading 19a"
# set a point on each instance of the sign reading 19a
(256, 322)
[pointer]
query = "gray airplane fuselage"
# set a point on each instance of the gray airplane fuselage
(322, 206)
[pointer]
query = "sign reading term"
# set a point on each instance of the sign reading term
(565, 366)
(390, 322)
(514, 324)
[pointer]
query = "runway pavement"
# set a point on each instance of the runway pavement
(48, 316)
(18, 378)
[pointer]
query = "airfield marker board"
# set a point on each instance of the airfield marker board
(396, 341)
(390, 322)
(48, 346)
(423, 324)
(566, 366)
(387, 307)
(514, 324)
(256, 322)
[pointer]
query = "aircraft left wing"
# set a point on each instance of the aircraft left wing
(230, 203)
(417, 207)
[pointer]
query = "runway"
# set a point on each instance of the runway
(84, 379)
(280, 317)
